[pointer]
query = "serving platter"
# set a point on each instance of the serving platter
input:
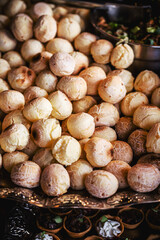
(73, 199)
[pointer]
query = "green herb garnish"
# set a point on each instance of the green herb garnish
(113, 25)
(135, 29)
(80, 220)
(151, 29)
(104, 219)
(151, 41)
(58, 219)
(154, 210)
(42, 235)
(126, 239)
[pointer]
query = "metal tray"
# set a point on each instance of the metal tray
(73, 199)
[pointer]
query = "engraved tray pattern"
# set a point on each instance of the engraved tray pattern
(73, 199)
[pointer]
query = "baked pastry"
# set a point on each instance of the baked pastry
(146, 82)
(120, 170)
(112, 89)
(101, 184)
(145, 116)
(105, 132)
(132, 101)
(59, 45)
(66, 150)
(83, 104)
(77, 172)
(143, 177)
(105, 114)
(99, 151)
(81, 125)
(151, 158)
(124, 127)
(43, 157)
(122, 151)
(26, 174)
(153, 139)
(55, 180)
(83, 42)
(93, 75)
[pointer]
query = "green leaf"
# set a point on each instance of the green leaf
(154, 210)
(104, 219)
(151, 29)
(126, 239)
(135, 29)
(113, 25)
(58, 219)
(151, 41)
(80, 220)
(42, 234)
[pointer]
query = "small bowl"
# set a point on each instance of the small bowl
(53, 235)
(146, 57)
(91, 215)
(93, 237)
(115, 218)
(49, 231)
(132, 213)
(154, 212)
(75, 234)
(54, 211)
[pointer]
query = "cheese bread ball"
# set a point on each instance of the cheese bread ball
(45, 28)
(30, 48)
(34, 92)
(66, 150)
(30, 148)
(4, 68)
(21, 78)
(126, 77)
(137, 141)
(26, 174)
(77, 172)
(131, 101)
(55, 180)
(143, 177)
(124, 127)
(14, 138)
(59, 45)
(146, 82)
(122, 56)
(38, 108)
(61, 64)
(74, 87)
(68, 28)
(153, 139)
(59, 12)
(82, 143)
(40, 62)
(92, 75)
(101, 184)
(0, 160)
(47, 80)
(101, 51)
(3, 85)
(155, 98)
(145, 116)
(151, 158)
(84, 104)
(61, 105)
(83, 42)
(106, 68)
(105, 114)
(7, 41)
(77, 18)
(11, 100)
(45, 131)
(4, 21)
(14, 59)
(120, 170)
(43, 157)
(105, 132)
(13, 158)
(122, 151)
(39, 9)
(81, 61)
(22, 27)
(112, 89)
(99, 151)
(14, 7)
(15, 116)
(81, 125)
